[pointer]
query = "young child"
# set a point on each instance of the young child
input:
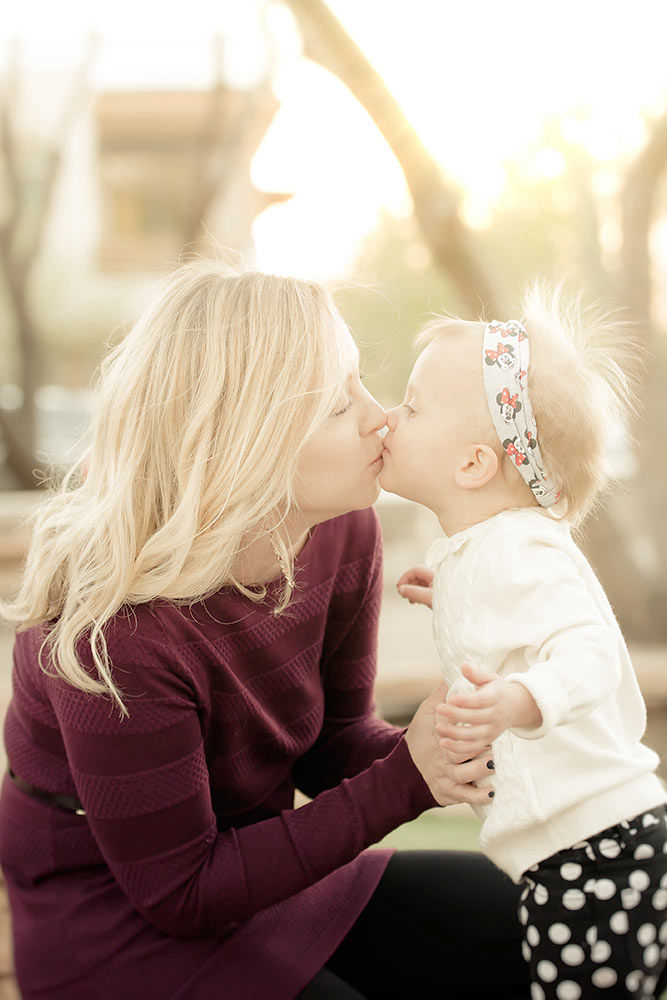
(509, 454)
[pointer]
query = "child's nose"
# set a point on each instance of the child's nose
(392, 418)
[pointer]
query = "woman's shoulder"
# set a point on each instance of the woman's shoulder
(355, 535)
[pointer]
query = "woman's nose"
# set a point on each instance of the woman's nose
(374, 417)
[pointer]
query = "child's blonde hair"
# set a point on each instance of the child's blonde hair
(582, 378)
(201, 413)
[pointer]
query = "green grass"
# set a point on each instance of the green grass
(435, 830)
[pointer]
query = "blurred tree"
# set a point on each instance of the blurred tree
(627, 540)
(217, 184)
(436, 201)
(29, 173)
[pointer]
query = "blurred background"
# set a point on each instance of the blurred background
(416, 156)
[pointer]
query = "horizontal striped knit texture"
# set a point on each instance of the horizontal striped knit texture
(192, 867)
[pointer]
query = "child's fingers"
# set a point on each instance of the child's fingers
(478, 674)
(415, 585)
(464, 716)
(483, 697)
(417, 595)
(422, 576)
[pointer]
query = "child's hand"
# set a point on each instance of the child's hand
(469, 722)
(416, 585)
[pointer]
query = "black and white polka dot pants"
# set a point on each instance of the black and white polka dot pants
(594, 916)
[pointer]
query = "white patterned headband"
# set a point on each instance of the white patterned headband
(505, 356)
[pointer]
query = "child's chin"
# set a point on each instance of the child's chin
(388, 486)
(384, 480)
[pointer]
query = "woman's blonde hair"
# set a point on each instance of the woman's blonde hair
(584, 369)
(201, 413)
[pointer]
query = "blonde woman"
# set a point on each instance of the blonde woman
(197, 639)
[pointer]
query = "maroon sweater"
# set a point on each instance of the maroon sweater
(191, 874)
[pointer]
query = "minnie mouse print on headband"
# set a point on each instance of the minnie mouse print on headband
(505, 356)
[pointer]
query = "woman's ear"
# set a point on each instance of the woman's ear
(479, 466)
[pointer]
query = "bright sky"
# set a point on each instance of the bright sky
(475, 78)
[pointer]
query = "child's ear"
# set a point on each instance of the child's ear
(479, 466)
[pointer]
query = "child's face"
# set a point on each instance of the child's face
(429, 432)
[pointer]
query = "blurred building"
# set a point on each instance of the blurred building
(168, 161)
(114, 187)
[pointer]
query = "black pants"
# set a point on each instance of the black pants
(439, 924)
(594, 915)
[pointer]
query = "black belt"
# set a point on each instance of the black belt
(66, 802)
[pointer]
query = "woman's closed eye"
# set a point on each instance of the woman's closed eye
(343, 408)
(345, 404)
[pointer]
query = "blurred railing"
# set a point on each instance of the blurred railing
(408, 666)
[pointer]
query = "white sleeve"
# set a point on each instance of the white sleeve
(544, 608)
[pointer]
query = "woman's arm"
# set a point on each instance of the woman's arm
(144, 784)
(352, 736)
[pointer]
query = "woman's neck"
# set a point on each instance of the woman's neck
(258, 562)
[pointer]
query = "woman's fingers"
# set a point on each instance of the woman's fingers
(474, 795)
(456, 752)
(471, 770)
(454, 782)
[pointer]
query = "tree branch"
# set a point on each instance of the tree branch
(53, 154)
(8, 224)
(436, 205)
(637, 207)
(29, 473)
(17, 258)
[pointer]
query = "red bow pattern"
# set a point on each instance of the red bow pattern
(505, 398)
(506, 347)
(517, 454)
(502, 349)
(507, 330)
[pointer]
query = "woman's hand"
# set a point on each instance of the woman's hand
(448, 783)
(468, 723)
(416, 585)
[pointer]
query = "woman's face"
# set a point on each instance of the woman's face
(339, 467)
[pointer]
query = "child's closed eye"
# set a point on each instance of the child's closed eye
(409, 408)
